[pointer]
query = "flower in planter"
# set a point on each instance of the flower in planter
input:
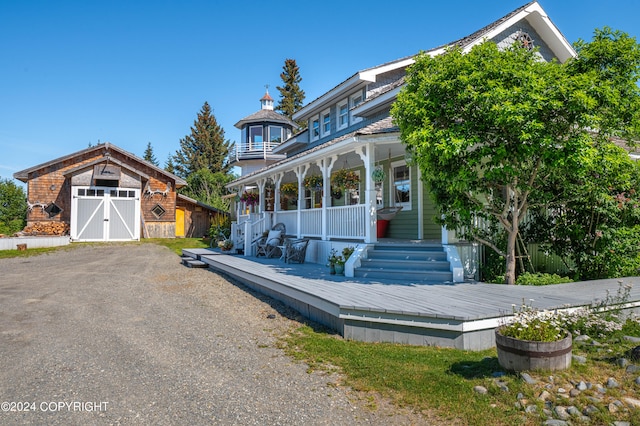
(313, 182)
(250, 198)
(289, 189)
(225, 244)
(529, 323)
(346, 179)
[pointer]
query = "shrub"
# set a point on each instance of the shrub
(528, 278)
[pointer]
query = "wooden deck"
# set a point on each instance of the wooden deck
(461, 315)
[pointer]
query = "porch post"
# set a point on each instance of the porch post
(300, 172)
(326, 166)
(371, 227)
(276, 196)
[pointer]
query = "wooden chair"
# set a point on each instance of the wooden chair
(295, 250)
(267, 246)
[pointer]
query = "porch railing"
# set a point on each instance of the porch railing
(290, 220)
(311, 222)
(347, 221)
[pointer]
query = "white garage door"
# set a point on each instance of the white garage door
(105, 214)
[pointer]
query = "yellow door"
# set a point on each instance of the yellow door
(179, 222)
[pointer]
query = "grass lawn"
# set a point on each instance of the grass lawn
(441, 380)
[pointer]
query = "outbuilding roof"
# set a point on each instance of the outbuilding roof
(106, 147)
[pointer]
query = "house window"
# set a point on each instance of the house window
(315, 128)
(326, 123)
(158, 211)
(355, 100)
(401, 185)
(255, 137)
(275, 134)
(343, 114)
(53, 209)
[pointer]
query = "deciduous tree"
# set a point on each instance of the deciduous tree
(490, 128)
(13, 207)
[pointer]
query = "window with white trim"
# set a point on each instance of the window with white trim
(354, 101)
(255, 137)
(401, 184)
(326, 122)
(343, 114)
(315, 128)
(275, 134)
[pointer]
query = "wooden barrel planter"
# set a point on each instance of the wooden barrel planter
(520, 355)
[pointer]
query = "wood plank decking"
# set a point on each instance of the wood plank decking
(461, 315)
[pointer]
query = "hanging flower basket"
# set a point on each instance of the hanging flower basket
(313, 182)
(250, 198)
(378, 175)
(346, 179)
(289, 189)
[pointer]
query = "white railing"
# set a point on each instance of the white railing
(347, 221)
(311, 222)
(255, 149)
(290, 220)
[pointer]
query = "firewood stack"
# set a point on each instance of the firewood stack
(47, 228)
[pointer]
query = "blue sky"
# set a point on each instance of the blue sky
(131, 72)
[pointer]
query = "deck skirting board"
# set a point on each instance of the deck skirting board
(462, 316)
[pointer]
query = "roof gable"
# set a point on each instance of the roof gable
(105, 149)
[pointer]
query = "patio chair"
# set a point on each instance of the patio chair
(267, 246)
(295, 250)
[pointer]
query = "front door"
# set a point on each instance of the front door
(179, 222)
(105, 214)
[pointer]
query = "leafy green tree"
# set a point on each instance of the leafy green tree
(150, 156)
(13, 207)
(292, 96)
(204, 148)
(208, 187)
(490, 128)
(596, 231)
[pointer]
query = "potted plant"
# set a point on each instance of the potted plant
(332, 259)
(313, 182)
(250, 198)
(533, 340)
(378, 174)
(346, 179)
(289, 190)
(226, 244)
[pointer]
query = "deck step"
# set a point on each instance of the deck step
(400, 264)
(418, 276)
(422, 263)
(196, 264)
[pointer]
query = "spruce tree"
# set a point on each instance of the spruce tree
(204, 148)
(292, 97)
(168, 165)
(150, 156)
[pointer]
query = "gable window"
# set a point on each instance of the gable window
(275, 134)
(343, 114)
(315, 128)
(401, 185)
(326, 123)
(355, 100)
(255, 137)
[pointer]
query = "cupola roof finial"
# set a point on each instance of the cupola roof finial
(267, 101)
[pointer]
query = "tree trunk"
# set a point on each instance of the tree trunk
(510, 274)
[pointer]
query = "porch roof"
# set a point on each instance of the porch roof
(381, 126)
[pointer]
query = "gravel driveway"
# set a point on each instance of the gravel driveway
(124, 334)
